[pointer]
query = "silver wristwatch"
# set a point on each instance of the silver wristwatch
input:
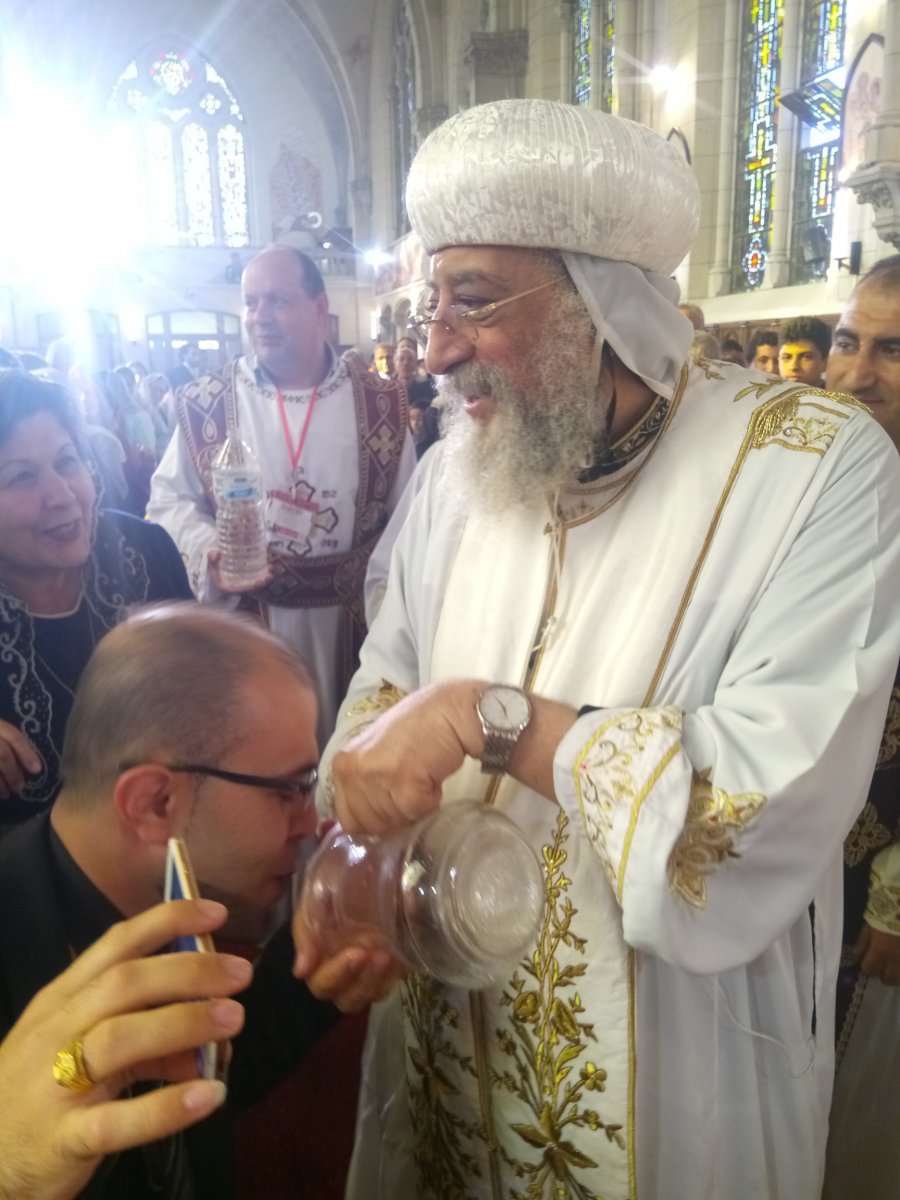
(504, 713)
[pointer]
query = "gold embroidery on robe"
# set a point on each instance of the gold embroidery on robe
(604, 776)
(440, 1133)
(550, 1078)
(883, 908)
(813, 430)
(547, 1044)
(386, 697)
(708, 367)
(714, 816)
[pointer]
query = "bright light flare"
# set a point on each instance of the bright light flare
(377, 258)
(75, 201)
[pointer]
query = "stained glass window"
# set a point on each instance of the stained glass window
(232, 185)
(823, 37)
(608, 61)
(192, 166)
(760, 70)
(582, 14)
(817, 102)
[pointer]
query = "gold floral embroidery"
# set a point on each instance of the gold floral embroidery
(708, 367)
(545, 1044)
(386, 697)
(440, 1133)
(780, 423)
(605, 777)
(883, 909)
(867, 834)
(890, 741)
(758, 389)
(713, 816)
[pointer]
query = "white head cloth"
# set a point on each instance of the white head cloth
(618, 201)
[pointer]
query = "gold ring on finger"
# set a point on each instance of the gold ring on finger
(69, 1070)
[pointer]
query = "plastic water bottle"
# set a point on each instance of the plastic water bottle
(240, 523)
(458, 896)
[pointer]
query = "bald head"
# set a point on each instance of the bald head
(169, 684)
(308, 274)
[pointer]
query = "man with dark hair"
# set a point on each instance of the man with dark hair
(805, 342)
(762, 351)
(863, 1150)
(190, 366)
(194, 723)
(733, 351)
(333, 445)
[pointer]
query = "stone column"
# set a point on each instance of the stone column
(877, 181)
(779, 264)
(721, 269)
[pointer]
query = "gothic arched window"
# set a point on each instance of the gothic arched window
(191, 175)
(758, 126)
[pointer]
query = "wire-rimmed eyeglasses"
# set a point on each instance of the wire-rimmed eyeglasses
(457, 316)
(302, 784)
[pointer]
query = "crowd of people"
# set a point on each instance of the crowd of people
(640, 593)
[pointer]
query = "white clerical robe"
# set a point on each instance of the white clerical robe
(726, 600)
(327, 475)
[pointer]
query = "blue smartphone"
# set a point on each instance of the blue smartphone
(182, 885)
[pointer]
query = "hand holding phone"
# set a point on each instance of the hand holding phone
(181, 884)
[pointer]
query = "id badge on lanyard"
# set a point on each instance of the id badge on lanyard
(289, 521)
(289, 517)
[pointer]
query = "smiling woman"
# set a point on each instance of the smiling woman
(67, 574)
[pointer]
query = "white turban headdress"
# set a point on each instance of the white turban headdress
(619, 202)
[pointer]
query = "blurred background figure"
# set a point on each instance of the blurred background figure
(61, 355)
(704, 346)
(138, 369)
(424, 417)
(694, 314)
(191, 361)
(383, 360)
(235, 268)
(156, 396)
(762, 351)
(805, 342)
(133, 425)
(731, 350)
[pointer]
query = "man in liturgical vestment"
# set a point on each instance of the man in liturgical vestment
(335, 454)
(646, 607)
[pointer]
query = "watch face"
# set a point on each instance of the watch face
(504, 707)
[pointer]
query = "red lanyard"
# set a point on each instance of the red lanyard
(295, 454)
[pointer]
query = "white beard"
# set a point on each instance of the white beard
(535, 441)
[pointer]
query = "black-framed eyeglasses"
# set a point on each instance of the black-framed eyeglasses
(457, 316)
(297, 785)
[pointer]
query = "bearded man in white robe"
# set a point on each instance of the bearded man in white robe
(678, 580)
